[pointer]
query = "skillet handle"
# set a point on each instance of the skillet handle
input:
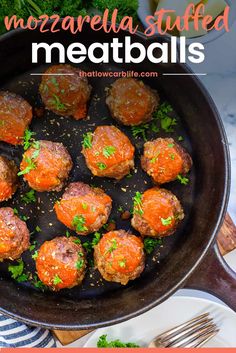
(214, 276)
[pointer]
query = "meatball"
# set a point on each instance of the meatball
(61, 263)
(14, 235)
(67, 92)
(46, 166)
(131, 102)
(164, 160)
(157, 213)
(15, 117)
(8, 178)
(83, 208)
(108, 152)
(119, 256)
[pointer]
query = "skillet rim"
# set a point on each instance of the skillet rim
(212, 237)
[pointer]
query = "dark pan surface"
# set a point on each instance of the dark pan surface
(97, 302)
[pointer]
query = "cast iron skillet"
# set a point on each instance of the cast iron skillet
(98, 303)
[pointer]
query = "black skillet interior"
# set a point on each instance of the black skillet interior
(97, 302)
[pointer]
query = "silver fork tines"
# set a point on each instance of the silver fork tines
(191, 334)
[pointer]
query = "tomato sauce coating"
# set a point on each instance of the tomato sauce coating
(61, 263)
(164, 160)
(157, 214)
(110, 153)
(46, 166)
(15, 117)
(83, 208)
(119, 256)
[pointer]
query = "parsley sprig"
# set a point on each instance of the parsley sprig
(150, 244)
(29, 197)
(108, 151)
(90, 245)
(79, 223)
(88, 139)
(104, 343)
(138, 203)
(183, 180)
(166, 221)
(31, 166)
(17, 271)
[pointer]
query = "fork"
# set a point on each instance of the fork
(191, 334)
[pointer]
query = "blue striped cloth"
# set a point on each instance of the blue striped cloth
(15, 334)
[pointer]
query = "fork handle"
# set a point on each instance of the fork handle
(214, 276)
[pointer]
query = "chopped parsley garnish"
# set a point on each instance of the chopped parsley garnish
(16, 212)
(80, 262)
(163, 115)
(104, 343)
(77, 241)
(88, 138)
(35, 255)
(28, 139)
(29, 197)
(154, 159)
(172, 156)
(120, 209)
(2, 122)
(129, 176)
(68, 234)
(38, 284)
(122, 263)
(36, 146)
(38, 229)
(31, 165)
(57, 280)
(180, 138)
(150, 244)
(170, 145)
(24, 218)
(166, 221)
(113, 246)
(32, 246)
(17, 271)
(84, 205)
(53, 80)
(79, 223)
(101, 166)
(108, 151)
(90, 245)
(55, 101)
(96, 239)
(183, 180)
(138, 203)
(140, 131)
